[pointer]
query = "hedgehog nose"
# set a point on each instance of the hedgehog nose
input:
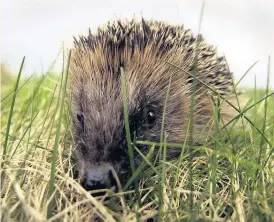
(95, 180)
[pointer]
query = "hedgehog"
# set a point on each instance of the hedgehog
(155, 56)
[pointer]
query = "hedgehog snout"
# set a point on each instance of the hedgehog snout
(99, 177)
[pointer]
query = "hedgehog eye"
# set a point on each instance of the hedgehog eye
(151, 117)
(80, 117)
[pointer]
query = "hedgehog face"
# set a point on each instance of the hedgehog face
(145, 51)
(99, 127)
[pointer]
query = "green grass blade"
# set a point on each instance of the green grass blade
(265, 115)
(10, 93)
(11, 108)
(22, 137)
(162, 152)
(56, 142)
(126, 119)
(141, 166)
(245, 73)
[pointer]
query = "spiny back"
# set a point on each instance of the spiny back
(117, 42)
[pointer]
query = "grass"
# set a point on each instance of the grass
(229, 179)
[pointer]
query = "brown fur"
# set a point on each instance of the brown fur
(145, 50)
